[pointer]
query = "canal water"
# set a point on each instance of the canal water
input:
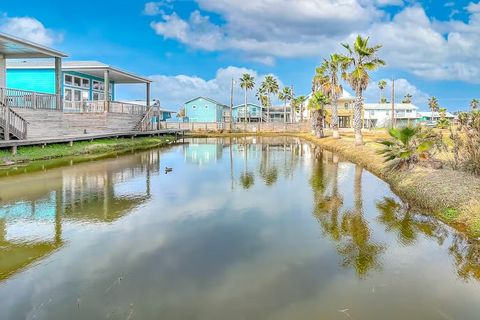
(249, 228)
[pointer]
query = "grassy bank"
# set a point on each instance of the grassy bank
(98, 148)
(452, 196)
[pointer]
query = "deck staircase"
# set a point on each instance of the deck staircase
(146, 124)
(16, 124)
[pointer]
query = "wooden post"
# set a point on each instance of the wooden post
(58, 83)
(70, 143)
(14, 150)
(106, 91)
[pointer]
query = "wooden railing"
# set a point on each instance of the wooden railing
(28, 99)
(12, 123)
(99, 106)
(146, 124)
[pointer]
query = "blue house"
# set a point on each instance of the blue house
(203, 109)
(81, 81)
(253, 113)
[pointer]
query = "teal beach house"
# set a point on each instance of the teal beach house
(81, 81)
(203, 109)
(253, 113)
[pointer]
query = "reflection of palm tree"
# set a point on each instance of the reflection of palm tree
(467, 257)
(267, 171)
(359, 250)
(399, 219)
(247, 179)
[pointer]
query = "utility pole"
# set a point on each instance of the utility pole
(231, 107)
(393, 103)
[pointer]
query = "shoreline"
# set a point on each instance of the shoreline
(34, 158)
(451, 196)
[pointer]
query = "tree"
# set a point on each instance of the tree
(474, 104)
(443, 122)
(286, 95)
(269, 86)
(317, 105)
(326, 80)
(382, 84)
(297, 104)
(361, 59)
(407, 98)
(433, 105)
(247, 82)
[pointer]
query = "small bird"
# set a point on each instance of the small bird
(167, 170)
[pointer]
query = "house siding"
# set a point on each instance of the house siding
(43, 80)
(203, 110)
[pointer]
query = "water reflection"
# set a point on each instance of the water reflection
(31, 220)
(229, 234)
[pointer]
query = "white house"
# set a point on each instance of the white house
(378, 115)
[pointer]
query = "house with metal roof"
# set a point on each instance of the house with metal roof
(202, 109)
(84, 84)
(251, 112)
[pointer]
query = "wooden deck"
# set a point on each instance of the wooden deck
(14, 144)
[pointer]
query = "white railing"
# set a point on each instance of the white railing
(130, 108)
(15, 98)
(12, 123)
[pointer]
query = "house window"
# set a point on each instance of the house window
(346, 105)
(194, 107)
(97, 85)
(85, 83)
(68, 95)
(68, 79)
(98, 96)
(206, 107)
(77, 95)
(77, 81)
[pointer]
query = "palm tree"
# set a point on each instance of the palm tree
(247, 82)
(269, 86)
(474, 104)
(407, 98)
(297, 104)
(285, 95)
(326, 80)
(433, 104)
(317, 104)
(362, 59)
(263, 99)
(382, 84)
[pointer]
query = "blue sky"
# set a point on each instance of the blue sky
(193, 48)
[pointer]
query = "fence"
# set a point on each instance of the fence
(101, 106)
(240, 127)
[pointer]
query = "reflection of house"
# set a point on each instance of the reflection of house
(378, 115)
(203, 109)
(35, 207)
(201, 153)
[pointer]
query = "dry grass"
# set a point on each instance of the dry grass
(450, 195)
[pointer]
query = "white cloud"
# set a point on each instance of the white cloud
(402, 87)
(155, 8)
(412, 41)
(173, 91)
(29, 29)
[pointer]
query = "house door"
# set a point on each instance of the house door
(344, 122)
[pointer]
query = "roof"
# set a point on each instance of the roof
(388, 106)
(15, 48)
(208, 99)
(248, 103)
(435, 114)
(93, 68)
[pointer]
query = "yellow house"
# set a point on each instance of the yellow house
(345, 111)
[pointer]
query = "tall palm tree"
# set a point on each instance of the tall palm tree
(247, 82)
(269, 86)
(474, 104)
(286, 95)
(433, 105)
(263, 99)
(326, 80)
(382, 84)
(361, 59)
